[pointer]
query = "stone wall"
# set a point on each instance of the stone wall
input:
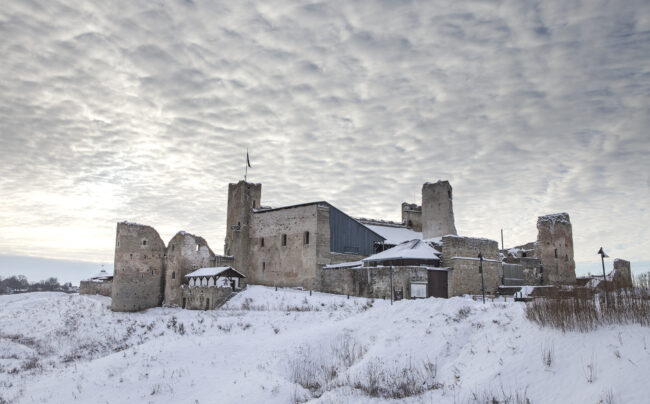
(437, 210)
(138, 279)
(412, 216)
(204, 298)
(555, 249)
(185, 253)
(373, 282)
(293, 264)
(95, 288)
(460, 255)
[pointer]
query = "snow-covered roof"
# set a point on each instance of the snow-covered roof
(409, 250)
(344, 265)
(102, 275)
(395, 235)
(213, 271)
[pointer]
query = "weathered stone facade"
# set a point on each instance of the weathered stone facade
(460, 254)
(373, 282)
(184, 254)
(554, 247)
(437, 210)
(412, 216)
(622, 273)
(138, 278)
(203, 297)
(96, 288)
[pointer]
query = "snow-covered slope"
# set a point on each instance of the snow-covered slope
(71, 348)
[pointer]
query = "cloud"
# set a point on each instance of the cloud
(143, 111)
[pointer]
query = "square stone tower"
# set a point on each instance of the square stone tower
(437, 210)
(555, 248)
(243, 197)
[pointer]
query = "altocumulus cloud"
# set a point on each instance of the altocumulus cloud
(142, 110)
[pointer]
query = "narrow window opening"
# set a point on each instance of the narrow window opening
(173, 275)
(556, 253)
(523, 254)
(173, 246)
(152, 272)
(306, 237)
(262, 242)
(263, 266)
(144, 242)
(284, 239)
(131, 256)
(118, 243)
(253, 204)
(409, 224)
(197, 247)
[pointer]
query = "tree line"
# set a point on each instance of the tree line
(19, 283)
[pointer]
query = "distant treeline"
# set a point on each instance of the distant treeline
(17, 284)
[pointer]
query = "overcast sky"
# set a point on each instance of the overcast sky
(143, 110)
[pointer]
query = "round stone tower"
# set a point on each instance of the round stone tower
(138, 279)
(437, 210)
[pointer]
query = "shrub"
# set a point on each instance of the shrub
(576, 311)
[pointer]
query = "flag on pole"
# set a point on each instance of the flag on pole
(247, 160)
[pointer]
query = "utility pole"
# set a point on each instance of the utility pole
(502, 240)
(480, 269)
(602, 260)
(391, 285)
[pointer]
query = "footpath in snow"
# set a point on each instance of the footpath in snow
(268, 346)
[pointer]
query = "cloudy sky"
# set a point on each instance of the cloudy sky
(143, 110)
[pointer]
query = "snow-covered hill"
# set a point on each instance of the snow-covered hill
(286, 346)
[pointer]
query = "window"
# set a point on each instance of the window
(173, 275)
(306, 238)
(263, 266)
(284, 239)
(262, 242)
(556, 253)
(409, 224)
(173, 247)
(253, 204)
(118, 243)
(144, 242)
(197, 247)
(523, 254)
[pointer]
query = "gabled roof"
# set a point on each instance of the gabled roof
(410, 250)
(257, 211)
(395, 234)
(213, 271)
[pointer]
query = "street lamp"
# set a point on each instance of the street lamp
(602, 260)
(480, 269)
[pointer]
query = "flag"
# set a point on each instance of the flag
(247, 160)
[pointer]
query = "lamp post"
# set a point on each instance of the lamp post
(602, 260)
(391, 285)
(480, 269)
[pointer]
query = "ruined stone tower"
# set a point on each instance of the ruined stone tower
(138, 279)
(243, 197)
(412, 216)
(185, 253)
(555, 249)
(437, 210)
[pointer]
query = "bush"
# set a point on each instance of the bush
(576, 311)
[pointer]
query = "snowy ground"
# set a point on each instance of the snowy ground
(260, 348)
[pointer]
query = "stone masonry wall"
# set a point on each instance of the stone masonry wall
(185, 253)
(555, 249)
(373, 282)
(460, 255)
(138, 279)
(204, 298)
(293, 264)
(95, 288)
(623, 273)
(243, 197)
(412, 213)
(437, 210)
